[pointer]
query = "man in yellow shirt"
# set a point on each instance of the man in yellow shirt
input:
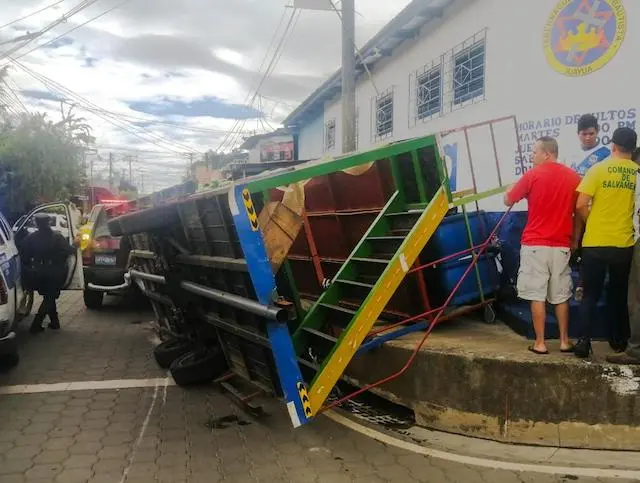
(606, 203)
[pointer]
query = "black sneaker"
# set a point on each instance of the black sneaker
(582, 348)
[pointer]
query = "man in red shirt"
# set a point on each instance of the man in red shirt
(547, 240)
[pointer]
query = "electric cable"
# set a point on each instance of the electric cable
(31, 14)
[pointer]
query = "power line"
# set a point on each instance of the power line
(114, 147)
(13, 88)
(106, 115)
(31, 14)
(11, 96)
(72, 30)
(78, 8)
(266, 56)
(293, 21)
(110, 118)
(169, 123)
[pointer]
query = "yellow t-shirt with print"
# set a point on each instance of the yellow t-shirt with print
(612, 184)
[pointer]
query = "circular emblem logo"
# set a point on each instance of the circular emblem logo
(582, 36)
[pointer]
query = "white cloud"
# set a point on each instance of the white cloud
(187, 51)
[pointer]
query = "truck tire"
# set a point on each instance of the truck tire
(92, 299)
(170, 350)
(198, 367)
(143, 221)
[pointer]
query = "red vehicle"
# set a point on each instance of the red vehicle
(104, 257)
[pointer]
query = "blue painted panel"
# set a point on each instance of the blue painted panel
(245, 220)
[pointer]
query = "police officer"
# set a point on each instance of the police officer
(44, 254)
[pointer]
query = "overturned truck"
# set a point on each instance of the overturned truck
(273, 284)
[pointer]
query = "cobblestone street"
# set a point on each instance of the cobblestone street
(161, 433)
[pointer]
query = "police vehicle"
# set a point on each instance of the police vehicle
(15, 302)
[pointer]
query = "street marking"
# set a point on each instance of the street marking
(86, 385)
(143, 429)
(481, 462)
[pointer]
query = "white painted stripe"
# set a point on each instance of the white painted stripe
(481, 462)
(86, 385)
(403, 263)
(293, 414)
(233, 203)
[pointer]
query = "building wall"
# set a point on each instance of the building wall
(518, 81)
(311, 139)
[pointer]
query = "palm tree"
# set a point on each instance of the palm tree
(76, 127)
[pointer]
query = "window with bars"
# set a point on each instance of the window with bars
(384, 115)
(469, 73)
(429, 93)
(330, 135)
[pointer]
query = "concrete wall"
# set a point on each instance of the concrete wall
(519, 81)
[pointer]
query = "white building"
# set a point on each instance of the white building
(441, 64)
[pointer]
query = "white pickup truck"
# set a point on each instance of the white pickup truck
(15, 302)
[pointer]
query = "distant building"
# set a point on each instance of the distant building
(207, 173)
(273, 146)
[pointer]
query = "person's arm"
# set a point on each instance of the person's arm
(578, 227)
(586, 191)
(583, 207)
(518, 191)
(62, 246)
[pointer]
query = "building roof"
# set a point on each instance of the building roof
(252, 141)
(405, 26)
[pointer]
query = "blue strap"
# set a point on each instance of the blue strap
(593, 158)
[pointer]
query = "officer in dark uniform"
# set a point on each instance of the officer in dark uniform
(44, 256)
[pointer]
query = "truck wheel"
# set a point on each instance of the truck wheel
(198, 367)
(92, 299)
(168, 351)
(144, 221)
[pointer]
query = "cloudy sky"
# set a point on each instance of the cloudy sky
(168, 77)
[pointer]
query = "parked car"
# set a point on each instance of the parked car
(15, 302)
(104, 256)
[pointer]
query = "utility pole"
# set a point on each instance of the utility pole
(348, 76)
(110, 171)
(130, 173)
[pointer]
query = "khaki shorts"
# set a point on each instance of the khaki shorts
(545, 274)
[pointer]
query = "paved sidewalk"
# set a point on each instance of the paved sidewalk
(168, 434)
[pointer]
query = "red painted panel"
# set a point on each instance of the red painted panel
(358, 192)
(327, 233)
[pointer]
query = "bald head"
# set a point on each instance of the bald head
(545, 150)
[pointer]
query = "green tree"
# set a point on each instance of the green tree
(40, 160)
